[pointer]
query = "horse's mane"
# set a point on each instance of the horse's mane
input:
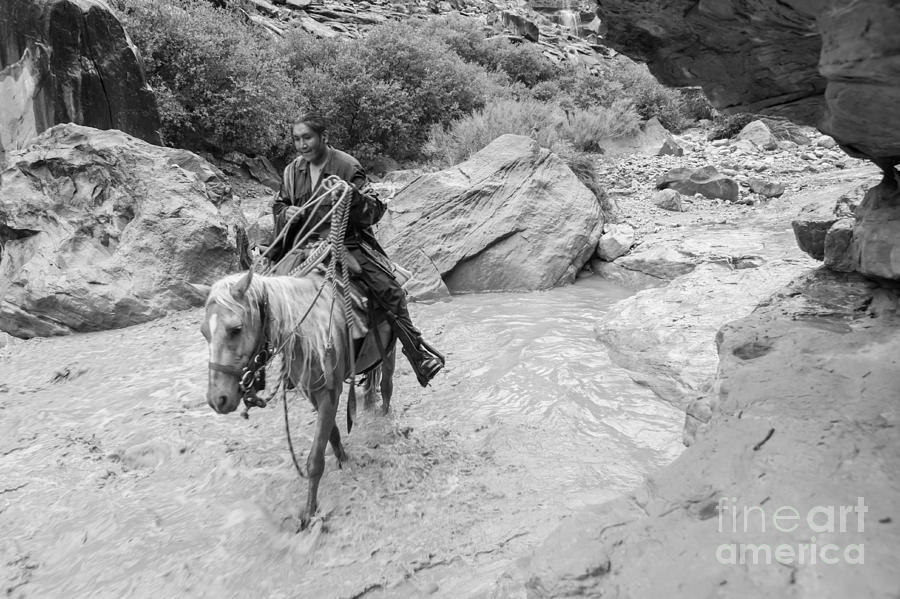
(288, 299)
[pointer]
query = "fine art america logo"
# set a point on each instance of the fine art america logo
(818, 524)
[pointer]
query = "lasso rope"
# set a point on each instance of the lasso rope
(334, 247)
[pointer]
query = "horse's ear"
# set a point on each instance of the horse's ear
(201, 289)
(238, 291)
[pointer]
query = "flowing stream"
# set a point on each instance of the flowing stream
(117, 480)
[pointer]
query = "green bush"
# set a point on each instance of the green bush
(443, 86)
(586, 128)
(224, 84)
(547, 123)
(726, 126)
(220, 83)
(618, 79)
(470, 40)
(696, 104)
(584, 165)
(651, 98)
(368, 117)
(384, 92)
(453, 144)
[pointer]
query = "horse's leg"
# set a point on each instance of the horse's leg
(387, 379)
(337, 447)
(369, 383)
(326, 400)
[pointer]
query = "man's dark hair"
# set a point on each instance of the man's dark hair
(315, 121)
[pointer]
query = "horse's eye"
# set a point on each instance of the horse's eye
(234, 331)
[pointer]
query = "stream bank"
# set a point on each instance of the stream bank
(788, 374)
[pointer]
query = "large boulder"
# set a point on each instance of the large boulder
(838, 246)
(615, 241)
(875, 249)
(649, 140)
(67, 61)
(811, 226)
(785, 130)
(668, 199)
(706, 181)
(815, 218)
(511, 217)
(102, 230)
(769, 189)
(758, 133)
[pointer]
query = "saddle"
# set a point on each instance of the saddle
(367, 315)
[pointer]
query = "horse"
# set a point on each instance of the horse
(245, 312)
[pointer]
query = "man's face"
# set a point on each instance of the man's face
(310, 144)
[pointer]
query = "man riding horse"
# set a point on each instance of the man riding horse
(302, 181)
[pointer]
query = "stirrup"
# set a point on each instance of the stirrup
(426, 364)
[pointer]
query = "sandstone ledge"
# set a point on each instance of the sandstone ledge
(805, 414)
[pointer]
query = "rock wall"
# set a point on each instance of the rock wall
(69, 61)
(752, 55)
(835, 64)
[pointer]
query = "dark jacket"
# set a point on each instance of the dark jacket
(296, 189)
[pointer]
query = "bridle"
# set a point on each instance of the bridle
(254, 370)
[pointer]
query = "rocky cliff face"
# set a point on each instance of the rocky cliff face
(835, 64)
(69, 61)
(750, 55)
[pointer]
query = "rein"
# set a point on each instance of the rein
(254, 370)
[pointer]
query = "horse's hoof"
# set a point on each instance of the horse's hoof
(304, 521)
(293, 524)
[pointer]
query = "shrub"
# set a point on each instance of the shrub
(368, 117)
(220, 83)
(726, 126)
(465, 36)
(651, 98)
(524, 63)
(383, 93)
(547, 123)
(453, 144)
(586, 128)
(584, 166)
(441, 84)
(618, 79)
(696, 104)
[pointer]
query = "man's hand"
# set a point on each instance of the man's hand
(291, 211)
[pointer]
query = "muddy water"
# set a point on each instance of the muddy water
(116, 479)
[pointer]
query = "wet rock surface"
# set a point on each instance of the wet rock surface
(700, 269)
(804, 419)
